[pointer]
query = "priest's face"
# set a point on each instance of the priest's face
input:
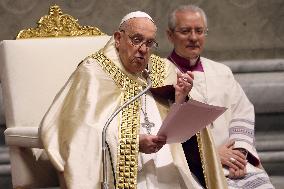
(134, 43)
(188, 36)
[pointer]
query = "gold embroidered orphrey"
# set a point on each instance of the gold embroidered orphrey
(57, 24)
(200, 147)
(128, 149)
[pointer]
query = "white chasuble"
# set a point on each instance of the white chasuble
(71, 130)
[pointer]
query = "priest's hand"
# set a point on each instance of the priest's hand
(150, 143)
(183, 86)
(232, 158)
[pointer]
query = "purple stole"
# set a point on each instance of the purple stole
(184, 64)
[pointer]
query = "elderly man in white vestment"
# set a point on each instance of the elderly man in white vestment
(71, 130)
(233, 132)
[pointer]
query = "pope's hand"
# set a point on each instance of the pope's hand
(150, 143)
(183, 86)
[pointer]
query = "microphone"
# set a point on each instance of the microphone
(145, 74)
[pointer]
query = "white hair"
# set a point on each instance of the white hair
(185, 8)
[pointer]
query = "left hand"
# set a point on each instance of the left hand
(150, 143)
(183, 86)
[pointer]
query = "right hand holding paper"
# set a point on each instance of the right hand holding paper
(185, 120)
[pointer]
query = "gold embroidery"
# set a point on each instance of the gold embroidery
(57, 24)
(128, 149)
(157, 71)
(198, 137)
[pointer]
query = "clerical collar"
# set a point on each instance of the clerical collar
(184, 64)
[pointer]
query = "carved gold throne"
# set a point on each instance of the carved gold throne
(33, 68)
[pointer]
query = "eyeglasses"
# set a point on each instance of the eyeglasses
(189, 31)
(138, 40)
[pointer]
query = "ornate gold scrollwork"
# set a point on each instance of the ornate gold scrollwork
(57, 24)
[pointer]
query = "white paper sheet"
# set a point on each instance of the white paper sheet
(185, 120)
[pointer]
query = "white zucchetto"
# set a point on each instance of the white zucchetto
(136, 14)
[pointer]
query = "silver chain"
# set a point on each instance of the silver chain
(147, 123)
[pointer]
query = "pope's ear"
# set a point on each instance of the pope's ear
(117, 38)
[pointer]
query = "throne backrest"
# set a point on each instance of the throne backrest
(33, 70)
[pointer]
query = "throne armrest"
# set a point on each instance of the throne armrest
(23, 137)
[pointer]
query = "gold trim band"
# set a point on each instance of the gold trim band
(128, 149)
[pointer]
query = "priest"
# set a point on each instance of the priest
(223, 155)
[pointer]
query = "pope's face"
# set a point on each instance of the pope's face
(134, 42)
(188, 36)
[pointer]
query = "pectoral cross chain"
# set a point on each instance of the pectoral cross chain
(147, 124)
